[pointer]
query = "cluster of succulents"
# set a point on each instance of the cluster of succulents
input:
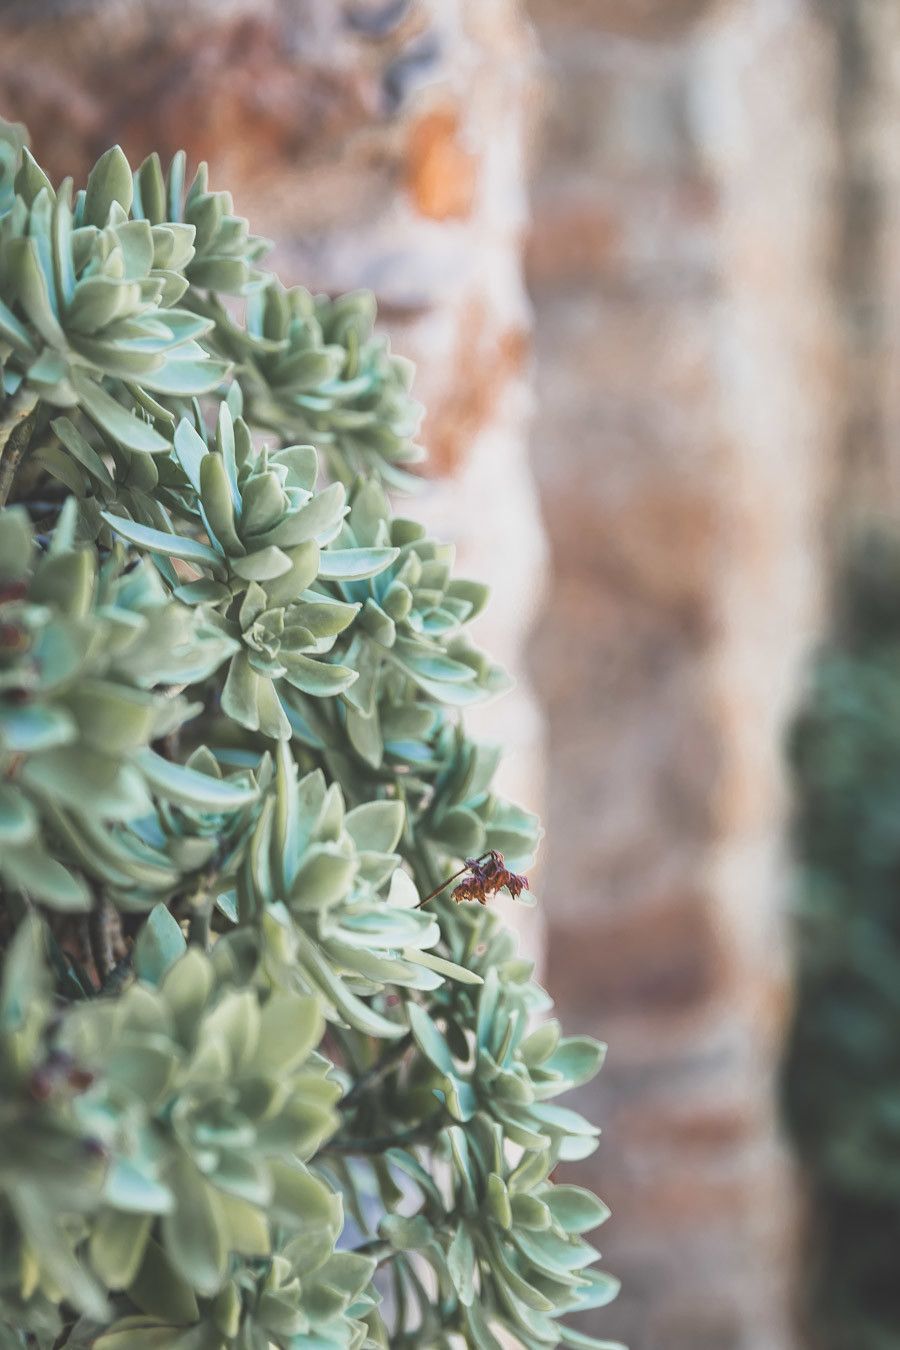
(314, 369)
(841, 1073)
(259, 1087)
(89, 657)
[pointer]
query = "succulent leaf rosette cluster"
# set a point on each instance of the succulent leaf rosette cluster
(263, 1083)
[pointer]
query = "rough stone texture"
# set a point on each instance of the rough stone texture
(681, 264)
(867, 272)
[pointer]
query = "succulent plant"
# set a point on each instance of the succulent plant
(258, 1067)
(224, 255)
(314, 369)
(305, 1294)
(264, 522)
(521, 1230)
(88, 658)
(89, 294)
(51, 1169)
(218, 1170)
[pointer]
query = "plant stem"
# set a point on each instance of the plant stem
(200, 927)
(378, 1070)
(382, 1251)
(16, 430)
(419, 1134)
(445, 884)
(118, 977)
(198, 908)
(100, 936)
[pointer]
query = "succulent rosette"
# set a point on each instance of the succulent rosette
(314, 367)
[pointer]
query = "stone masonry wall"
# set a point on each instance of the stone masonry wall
(689, 366)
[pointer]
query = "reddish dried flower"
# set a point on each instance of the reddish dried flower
(13, 637)
(58, 1072)
(41, 1085)
(79, 1080)
(13, 590)
(486, 876)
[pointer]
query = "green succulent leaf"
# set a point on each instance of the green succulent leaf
(159, 945)
(180, 783)
(157, 541)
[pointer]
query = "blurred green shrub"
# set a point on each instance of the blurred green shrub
(841, 1088)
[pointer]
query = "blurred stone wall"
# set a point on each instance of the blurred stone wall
(714, 265)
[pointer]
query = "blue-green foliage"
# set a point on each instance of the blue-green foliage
(251, 1094)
